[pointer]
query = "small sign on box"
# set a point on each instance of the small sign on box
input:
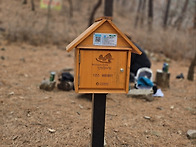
(103, 39)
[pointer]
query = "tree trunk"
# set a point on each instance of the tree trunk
(32, 5)
(172, 14)
(179, 20)
(190, 75)
(108, 8)
(162, 79)
(97, 5)
(150, 14)
(46, 29)
(143, 12)
(138, 13)
(132, 8)
(166, 14)
(194, 23)
(70, 8)
(24, 2)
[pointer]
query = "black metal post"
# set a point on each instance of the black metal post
(98, 120)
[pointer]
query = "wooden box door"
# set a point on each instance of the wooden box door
(102, 69)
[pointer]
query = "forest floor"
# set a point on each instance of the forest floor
(33, 117)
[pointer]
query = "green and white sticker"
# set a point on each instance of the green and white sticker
(103, 39)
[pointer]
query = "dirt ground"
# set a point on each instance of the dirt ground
(33, 117)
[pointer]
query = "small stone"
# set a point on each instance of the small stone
(22, 59)
(47, 85)
(26, 75)
(167, 60)
(47, 97)
(51, 130)
(115, 130)
(81, 107)
(147, 117)
(21, 97)
(65, 85)
(11, 93)
(151, 54)
(2, 57)
(141, 94)
(156, 133)
(28, 113)
(73, 102)
(159, 108)
(146, 132)
(125, 124)
(159, 117)
(69, 55)
(3, 49)
(172, 107)
(149, 98)
(154, 59)
(191, 134)
(15, 137)
(1, 83)
(179, 132)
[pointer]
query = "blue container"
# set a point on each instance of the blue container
(165, 67)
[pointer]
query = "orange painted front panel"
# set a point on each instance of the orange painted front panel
(102, 69)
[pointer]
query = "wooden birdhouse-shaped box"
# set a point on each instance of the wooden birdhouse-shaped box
(102, 59)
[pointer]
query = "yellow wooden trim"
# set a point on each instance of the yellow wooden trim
(104, 47)
(135, 49)
(128, 71)
(103, 17)
(76, 72)
(92, 28)
(85, 34)
(101, 91)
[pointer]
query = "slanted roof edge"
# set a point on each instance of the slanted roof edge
(135, 49)
(84, 35)
(92, 28)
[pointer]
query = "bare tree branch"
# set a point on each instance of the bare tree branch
(97, 5)
(150, 14)
(24, 2)
(179, 21)
(143, 12)
(194, 21)
(138, 13)
(32, 5)
(70, 8)
(166, 14)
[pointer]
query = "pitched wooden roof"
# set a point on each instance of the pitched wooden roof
(95, 26)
